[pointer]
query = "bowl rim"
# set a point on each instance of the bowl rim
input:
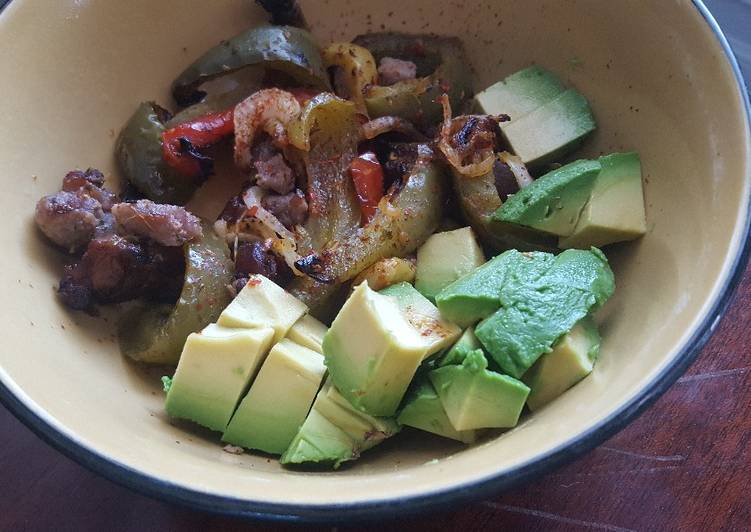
(50, 431)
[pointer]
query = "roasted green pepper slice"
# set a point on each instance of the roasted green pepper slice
(139, 155)
(442, 67)
(287, 49)
(478, 199)
(156, 334)
(327, 132)
(406, 217)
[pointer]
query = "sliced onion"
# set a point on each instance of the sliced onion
(387, 124)
(518, 168)
(475, 169)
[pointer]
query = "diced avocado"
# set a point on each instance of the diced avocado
(215, 368)
(334, 432)
(554, 202)
(372, 351)
(467, 343)
(552, 130)
(534, 313)
(308, 332)
(571, 360)
(520, 93)
(262, 303)
(278, 400)
(615, 210)
(437, 332)
(475, 397)
(444, 258)
(424, 411)
(478, 295)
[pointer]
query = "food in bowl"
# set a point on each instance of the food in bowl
(358, 178)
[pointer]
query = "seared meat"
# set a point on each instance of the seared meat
(290, 209)
(91, 183)
(274, 174)
(505, 181)
(392, 70)
(69, 219)
(114, 269)
(257, 258)
(168, 225)
(233, 210)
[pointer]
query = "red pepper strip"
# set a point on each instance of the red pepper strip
(367, 175)
(199, 133)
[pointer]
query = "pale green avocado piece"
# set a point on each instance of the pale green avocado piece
(444, 258)
(263, 303)
(372, 351)
(552, 130)
(615, 210)
(553, 202)
(334, 432)
(535, 312)
(424, 411)
(520, 93)
(467, 343)
(437, 332)
(278, 400)
(308, 332)
(478, 294)
(215, 368)
(571, 359)
(475, 397)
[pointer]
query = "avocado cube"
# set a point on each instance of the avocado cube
(424, 411)
(278, 400)
(536, 313)
(444, 258)
(520, 93)
(571, 359)
(334, 432)
(477, 295)
(308, 332)
(262, 303)
(372, 351)
(467, 343)
(437, 332)
(475, 397)
(553, 202)
(215, 368)
(615, 210)
(552, 130)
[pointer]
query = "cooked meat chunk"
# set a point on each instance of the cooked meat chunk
(392, 70)
(505, 181)
(168, 225)
(69, 219)
(114, 269)
(233, 210)
(91, 183)
(263, 150)
(290, 209)
(257, 258)
(275, 174)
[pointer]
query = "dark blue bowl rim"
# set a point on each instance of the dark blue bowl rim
(435, 501)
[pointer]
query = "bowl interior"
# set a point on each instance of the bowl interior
(657, 79)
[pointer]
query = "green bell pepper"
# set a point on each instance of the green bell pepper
(442, 67)
(156, 334)
(287, 49)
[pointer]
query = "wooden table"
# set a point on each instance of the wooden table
(685, 464)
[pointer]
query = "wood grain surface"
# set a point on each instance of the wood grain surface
(685, 464)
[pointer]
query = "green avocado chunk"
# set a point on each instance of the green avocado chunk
(475, 397)
(571, 359)
(278, 400)
(615, 210)
(467, 343)
(437, 332)
(554, 202)
(520, 93)
(423, 410)
(534, 313)
(478, 295)
(335, 432)
(444, 258)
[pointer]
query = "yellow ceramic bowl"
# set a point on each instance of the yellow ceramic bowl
(661, 80)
